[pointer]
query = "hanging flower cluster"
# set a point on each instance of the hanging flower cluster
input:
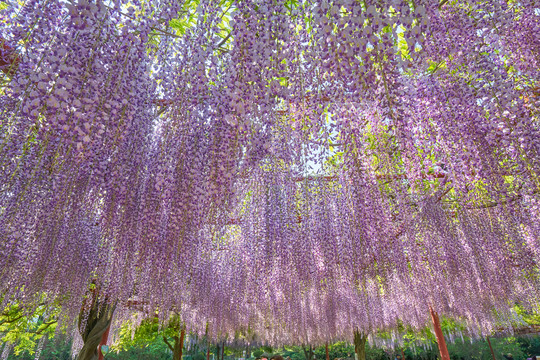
(291, 169)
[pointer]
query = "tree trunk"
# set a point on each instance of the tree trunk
(360, 345)
(308, 353)
(223, 351)
(490, 347)
(439, 335)
(327, 354)
(208, 353)
(103, 341)
(179, 345)
(7, 350)
(97, 323)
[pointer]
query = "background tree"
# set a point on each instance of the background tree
(22, 329)
(172, 333)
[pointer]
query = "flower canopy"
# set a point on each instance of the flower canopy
(297, 168)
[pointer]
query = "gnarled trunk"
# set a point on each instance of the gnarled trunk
(97, 323)
(360, 345)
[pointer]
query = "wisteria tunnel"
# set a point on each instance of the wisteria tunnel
(268, 172)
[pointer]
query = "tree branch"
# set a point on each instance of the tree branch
(224, 40)
(168, 343)
(226, 11)
(163, 32)
(11, 321)
(47, 324)
(441, 4)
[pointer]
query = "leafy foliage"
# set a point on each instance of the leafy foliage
(25, 328)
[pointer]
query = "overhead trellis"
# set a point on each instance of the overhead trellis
(301, 169)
